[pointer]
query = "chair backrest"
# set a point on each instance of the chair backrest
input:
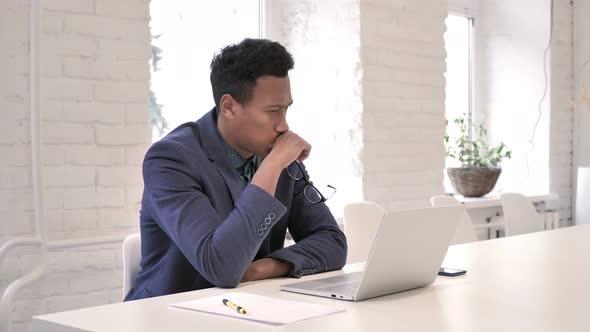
(464, 232)
(361, 222)
(131, 261)
(520, 215)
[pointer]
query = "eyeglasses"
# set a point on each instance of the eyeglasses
(311, 193)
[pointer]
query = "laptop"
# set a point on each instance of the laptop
(407, 253)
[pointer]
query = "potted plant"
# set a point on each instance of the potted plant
(480, 163)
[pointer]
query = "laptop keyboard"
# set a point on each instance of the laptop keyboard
(341, 288)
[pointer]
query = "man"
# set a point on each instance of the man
(220, 193)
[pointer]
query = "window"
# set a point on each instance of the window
(185, 35)
(459, 84)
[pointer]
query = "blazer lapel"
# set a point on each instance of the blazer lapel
(211, 142)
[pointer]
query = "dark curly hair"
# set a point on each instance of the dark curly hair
(236, 67)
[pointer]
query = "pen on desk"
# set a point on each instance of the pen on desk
(234, 306)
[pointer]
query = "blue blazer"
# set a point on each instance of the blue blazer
(200, 228)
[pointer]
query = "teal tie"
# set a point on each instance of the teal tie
(246, 172)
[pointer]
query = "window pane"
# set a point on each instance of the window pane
(187, 33)
(458, 57)
(458, 83)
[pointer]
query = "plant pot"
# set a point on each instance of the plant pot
(473, 181)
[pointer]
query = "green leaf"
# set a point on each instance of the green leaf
(473, 151)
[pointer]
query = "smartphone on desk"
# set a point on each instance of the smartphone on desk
(447, 272)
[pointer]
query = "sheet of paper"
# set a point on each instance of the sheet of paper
(260, 308)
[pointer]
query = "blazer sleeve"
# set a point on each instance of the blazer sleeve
(320, 244)
(220, 250)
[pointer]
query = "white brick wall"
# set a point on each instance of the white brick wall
(561, 122)
(78, 277)
(15, 171)
(94, 110)
(403, 61)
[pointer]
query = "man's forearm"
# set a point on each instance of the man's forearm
(267, 176)
(266, 268)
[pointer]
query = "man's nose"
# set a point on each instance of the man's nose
(283, 126)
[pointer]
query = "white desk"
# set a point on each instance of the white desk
(534, 282)
(494, 200)
(484, 210)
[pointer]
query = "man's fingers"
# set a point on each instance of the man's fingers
(290, 147)
(305, 153)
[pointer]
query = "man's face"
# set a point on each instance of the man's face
(264, 118)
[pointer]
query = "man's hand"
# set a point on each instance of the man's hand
(287, 148)
(266, 268)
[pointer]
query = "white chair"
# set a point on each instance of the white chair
(520, 215)
(464, 232)
(131, 261)
(361, 222)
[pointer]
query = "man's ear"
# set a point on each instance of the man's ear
(229, 106)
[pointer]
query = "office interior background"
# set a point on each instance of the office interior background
(87, 85)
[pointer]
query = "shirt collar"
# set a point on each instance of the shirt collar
(237, 161)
